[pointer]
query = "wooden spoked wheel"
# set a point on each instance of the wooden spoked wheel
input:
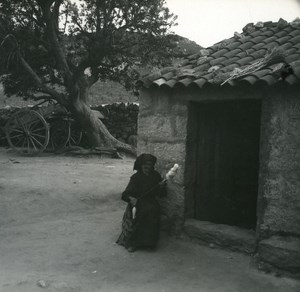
(27, 132)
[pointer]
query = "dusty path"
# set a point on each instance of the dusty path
(60, 216)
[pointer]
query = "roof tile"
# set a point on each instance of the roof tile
(283, 40)
(272, 45)
(291, 51)
(185, 62)
(250, 79)
(212, 65)
(292, 58)
(261, 73)
(259, 54)
(242, 54)
(188, 66)
(168, 75)
(295, 39)
(194, 56)
(295, 63)
(230, 61)
(294, 32)
(233, 45)
(219, 53)
(269, 79)
(268, 33)
(270, 39)
(245, 61)
(286, 46)
(159, 81)
(219, 61)
(258, 46)
(202, 67)
(296, 69)
(280, 34)
(170, 83)
(232, 53)
(185, 81)
(255, 34)
(247, 45)
(200, 82)
(258, 39)
(229, 67)
(296, 46)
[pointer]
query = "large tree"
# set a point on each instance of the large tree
(60, 48)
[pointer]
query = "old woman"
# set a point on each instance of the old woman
(140, 225)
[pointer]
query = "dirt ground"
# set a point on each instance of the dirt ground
(59, 219)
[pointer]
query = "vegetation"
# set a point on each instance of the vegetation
(59, 48)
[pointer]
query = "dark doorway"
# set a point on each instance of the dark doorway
(225, 161)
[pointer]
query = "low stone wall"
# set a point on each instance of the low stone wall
(119, 118)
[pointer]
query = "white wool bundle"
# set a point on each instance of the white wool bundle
(133, 212)
(171, 173)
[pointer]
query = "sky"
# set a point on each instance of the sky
(209, 21)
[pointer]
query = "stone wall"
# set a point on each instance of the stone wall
(278, 228)
(280, 166)
(121, 120)
(162, 126)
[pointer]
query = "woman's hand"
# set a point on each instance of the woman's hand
(163, 183)
(133, 201)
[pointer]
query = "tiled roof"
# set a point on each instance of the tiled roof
(264, 53)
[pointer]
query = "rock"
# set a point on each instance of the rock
(42, 284)
(282, 252)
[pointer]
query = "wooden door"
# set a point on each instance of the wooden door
(227, 162)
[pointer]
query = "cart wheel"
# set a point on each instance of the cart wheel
(59, 134)
(75, 135)
(27, 132)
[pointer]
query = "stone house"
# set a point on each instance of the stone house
(230, 117)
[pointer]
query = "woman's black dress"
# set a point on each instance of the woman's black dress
(143, 231)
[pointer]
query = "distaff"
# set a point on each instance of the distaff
(170, 174)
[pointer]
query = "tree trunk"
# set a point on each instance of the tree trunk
(96, 131)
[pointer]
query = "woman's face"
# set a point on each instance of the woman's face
(147, 167)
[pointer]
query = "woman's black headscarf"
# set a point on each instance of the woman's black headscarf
(142, 159)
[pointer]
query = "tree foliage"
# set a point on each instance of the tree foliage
(60, 48)
(50, 44)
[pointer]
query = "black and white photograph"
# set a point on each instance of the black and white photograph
(149, 145)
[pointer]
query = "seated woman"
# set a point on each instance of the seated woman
(140, 225)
